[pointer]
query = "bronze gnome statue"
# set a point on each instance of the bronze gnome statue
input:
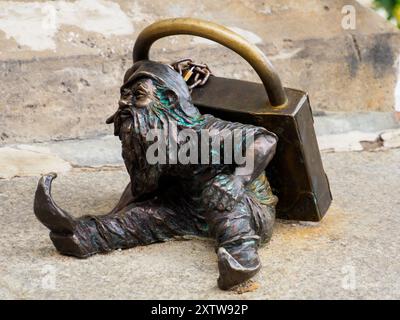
(195, 173)
(165, 200)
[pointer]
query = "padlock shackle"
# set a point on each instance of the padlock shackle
(212, 31)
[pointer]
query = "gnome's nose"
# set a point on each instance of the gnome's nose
(123, 103)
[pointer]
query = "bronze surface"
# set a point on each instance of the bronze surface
(254, 56)
(296, 173)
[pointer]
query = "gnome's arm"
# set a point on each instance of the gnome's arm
(258, 156)
(225, 190)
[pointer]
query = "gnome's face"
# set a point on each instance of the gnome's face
(140, 95)
(153, 94)
(143, 92)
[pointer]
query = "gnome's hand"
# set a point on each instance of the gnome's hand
(223, 192)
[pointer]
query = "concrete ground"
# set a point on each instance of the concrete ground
(352, 253)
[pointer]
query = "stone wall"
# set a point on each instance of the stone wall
(62, 62)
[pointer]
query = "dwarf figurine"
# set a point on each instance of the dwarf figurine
(167, 200)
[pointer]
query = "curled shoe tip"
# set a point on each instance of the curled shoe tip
(47, 178)
(47, 211)
(51, 174)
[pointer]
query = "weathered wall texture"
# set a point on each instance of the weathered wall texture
(62, 62)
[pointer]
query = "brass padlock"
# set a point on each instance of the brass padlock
(296, 174)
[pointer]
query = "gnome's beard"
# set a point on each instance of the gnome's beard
(138, 127)
(155, 119)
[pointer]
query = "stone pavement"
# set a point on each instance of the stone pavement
(351, 253)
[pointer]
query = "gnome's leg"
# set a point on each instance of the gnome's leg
(238, 234)
(137, 224)
(128, 225)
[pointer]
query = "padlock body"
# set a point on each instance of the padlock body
(296, 173)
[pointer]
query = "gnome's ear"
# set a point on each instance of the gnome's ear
(172, 97)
